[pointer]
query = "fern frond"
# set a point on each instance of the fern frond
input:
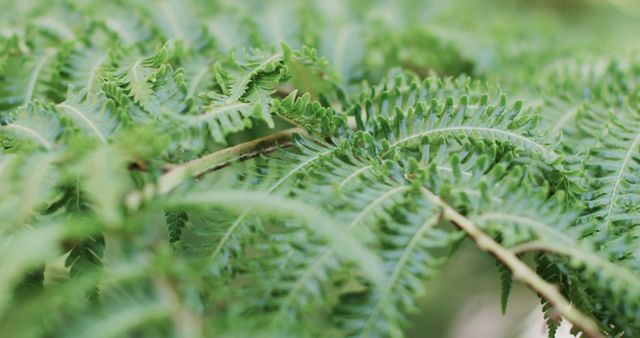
(307, 278)
(312, 116)
(81, 68)
(311, 74)
(26, 185)
(282, 179)
(242, 94)
(92, 113)
(170, 93)
(542, 226)
(610, 200)
(506, 281)
(408, 244)
(43, 242)
(221, 117)
(607, 80)
(176, 221)
(28, 77)
(35, 122)
(307, 274)
(364, 204)
(198, 75)
(106, 181)
(347, 246)
(137, 75)
(235, 77)
(85, 257)
(578, 108)
(498, 123)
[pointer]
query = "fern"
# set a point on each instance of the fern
(92, 113)
(136, 76)
(302, 169)
(611, 180)
(35, 122)
(176, 222)
(506, 281)
(82, 67)
(28, 77)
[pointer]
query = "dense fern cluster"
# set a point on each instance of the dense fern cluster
(199, 168)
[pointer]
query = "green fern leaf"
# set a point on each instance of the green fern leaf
(91, 112)
(176, 221)
(506, 281)
(29, 77)
(26, 187)
(137, 75)
(347, 246)
(82, 67)
(198, 74)
(35, 122)
(236, 77)
(44, 247)
(613, 184)
(311, 74)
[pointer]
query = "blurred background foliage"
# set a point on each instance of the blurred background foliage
(492, 39)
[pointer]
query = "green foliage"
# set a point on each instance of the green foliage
(141, 197)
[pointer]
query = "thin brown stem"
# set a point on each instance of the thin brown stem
(520, 270)
(211, 162)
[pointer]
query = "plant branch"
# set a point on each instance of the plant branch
(211, 162)
(521, 271)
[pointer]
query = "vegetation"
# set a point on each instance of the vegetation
(273, 169)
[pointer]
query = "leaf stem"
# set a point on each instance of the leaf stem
(211, 162)
(521, 271)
